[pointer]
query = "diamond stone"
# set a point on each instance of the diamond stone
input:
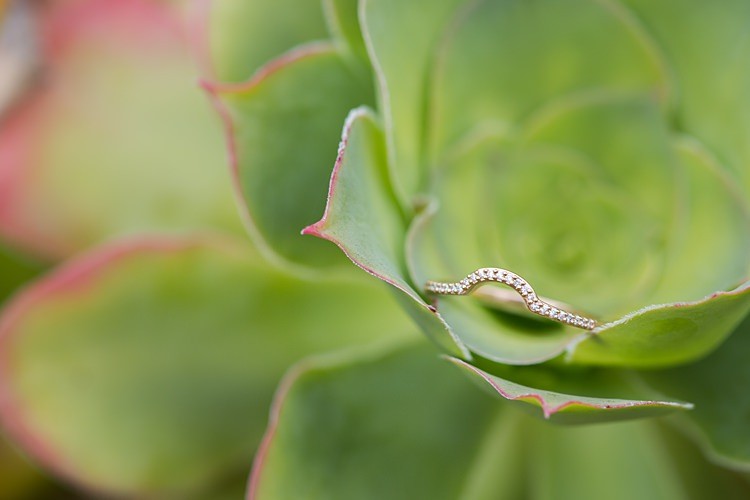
(525, 291)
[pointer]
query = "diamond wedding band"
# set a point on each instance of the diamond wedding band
(545, 308)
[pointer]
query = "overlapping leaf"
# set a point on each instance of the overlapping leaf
(237, 37)
(499, 61)
(707, 47)
(400, 423)
(364, 220)
(343, 21)
(557, 405)
(718, 386)
(289, 102)
(147, 367)
(404, 78)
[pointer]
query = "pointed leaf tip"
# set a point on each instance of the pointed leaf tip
(363, 218)
(317, 229)
(287, 101)
(567, 408)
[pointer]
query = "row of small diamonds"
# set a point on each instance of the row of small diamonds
(534, 304)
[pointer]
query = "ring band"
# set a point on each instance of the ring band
(545, 308)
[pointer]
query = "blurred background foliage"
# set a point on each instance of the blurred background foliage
(104, 133)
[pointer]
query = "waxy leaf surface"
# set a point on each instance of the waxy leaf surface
(404, 78)
(558, 406)
(343, 22)
(707, 48)
(147, 367)
(364, 220)
(665, 334)
(283, 129)
(718, 386)
(400, 423)
(237, 37)
(500, 61)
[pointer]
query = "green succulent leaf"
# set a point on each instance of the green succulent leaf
(492, 334)
(558, 406)
(289, 102)
(404, 78)
(615, 217)
(399, 423)
(504, 338)
(393, 423)
(147, 367)
(621, 461)
(667, 334)
(448, 237)
(499, 61)
(363, 219)
(343, 22)
(242, 36)
(596, 172)
(707, 48)
(718, 386)
(710, 240)
(700, 478)
(360, 213)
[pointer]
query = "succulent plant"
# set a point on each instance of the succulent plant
(598, 148)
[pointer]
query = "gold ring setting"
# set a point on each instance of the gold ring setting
(541, 307)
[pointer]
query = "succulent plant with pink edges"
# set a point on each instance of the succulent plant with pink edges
(600, 149)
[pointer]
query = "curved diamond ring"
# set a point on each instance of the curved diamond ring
(525, 294)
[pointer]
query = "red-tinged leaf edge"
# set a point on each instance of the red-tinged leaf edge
(318, 230)
(75, 275)
(549, 409)
(601, 330)
(285, 386)
(215, 90)
(273, 422)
